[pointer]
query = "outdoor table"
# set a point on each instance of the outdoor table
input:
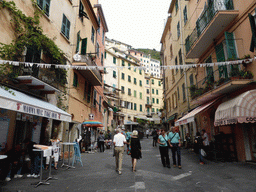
(41, 170)
(68, 144)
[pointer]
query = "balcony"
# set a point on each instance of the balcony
(212, 86)
(213, 20)
(148, 104)
(93, 74)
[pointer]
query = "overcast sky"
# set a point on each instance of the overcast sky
(138, 23)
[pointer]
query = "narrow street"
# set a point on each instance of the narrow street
(98, 174)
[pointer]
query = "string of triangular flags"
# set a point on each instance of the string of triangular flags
(66, 67)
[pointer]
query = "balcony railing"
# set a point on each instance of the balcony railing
(90, 62)
(216, 79)
(205, 18)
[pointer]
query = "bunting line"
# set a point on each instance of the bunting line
(66, 67)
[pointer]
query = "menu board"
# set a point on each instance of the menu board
(4, 127)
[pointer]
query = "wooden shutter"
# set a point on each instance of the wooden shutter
(84, 46)
(78, 41)
(47, 7)
(231, 47)
(63, 28)
(221, 57)
(253, 28)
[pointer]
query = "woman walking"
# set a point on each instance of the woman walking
(163, 148)
(135, 149)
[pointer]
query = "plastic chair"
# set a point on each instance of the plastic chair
(77, 155)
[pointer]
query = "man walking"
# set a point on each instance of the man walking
(119, 141)
(174, 140)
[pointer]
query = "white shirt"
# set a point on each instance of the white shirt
(119, 140)
(206, 141)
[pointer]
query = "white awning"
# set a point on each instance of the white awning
(141, 117)
(241, 109)
(126, 122)
(17, 101)
(190, 117)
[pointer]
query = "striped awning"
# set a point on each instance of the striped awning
(241, 109)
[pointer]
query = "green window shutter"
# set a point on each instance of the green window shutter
(123, 63)
(253, 28)
(221, 57)
(157, 101)
(75, 80)
(153, 91)
(140, 83)
(92, 37)
(78, 41)
(135, 93)
(84, 46)
(231, 47)
(140, 107)
(114, 74)
(157, 92)
(140, 95)
(47, 7)
(135, 107)
(114, 60)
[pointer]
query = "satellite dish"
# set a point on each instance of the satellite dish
(77, 57)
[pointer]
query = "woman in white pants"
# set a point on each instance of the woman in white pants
(55, 148)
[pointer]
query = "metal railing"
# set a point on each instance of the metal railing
(88, 60)
(205, 18)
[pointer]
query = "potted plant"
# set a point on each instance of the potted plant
(246, 74)
(234, 74)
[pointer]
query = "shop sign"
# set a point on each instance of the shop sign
(37, 111)
(221, 122)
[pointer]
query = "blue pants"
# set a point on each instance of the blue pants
(176, 150)
(35, 165)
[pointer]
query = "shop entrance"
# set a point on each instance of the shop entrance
(23, 130)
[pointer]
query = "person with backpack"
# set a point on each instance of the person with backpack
(199, 147)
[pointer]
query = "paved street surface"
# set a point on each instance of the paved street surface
(98, 174)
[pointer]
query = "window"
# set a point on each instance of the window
(103, 37)
(185, 14)
(135, 81)
(114, 60)
(89, 92)
(178, 91)
(134, 69)
(92, 36)
(123, 76)
(140, 107)
(114, 74)
(153, 110)
(148, 100)
(148, 110)
(102, 59)
(84, 46)
(44, 5)
(75, 80)
(140, 72)
(65, 26)
(135, 107)
(97, 49)
(94, 98)
(176, 63)
(157, 91)
(178, 30)
(184, 92)
(191, 79)
(180, 60)
(140, 95)
(153, 100)
(171, 52)
(152, 81)
(99, 103)
(147, 81)
(176, 6)
(140, 83)
(135, 93)
(129, 66)
(105, 55)
(122, 89)
(129, 78)
(81, 11)
(147, 91)
(157, 101)
(153, 91)
(123, 63)
(129, 91)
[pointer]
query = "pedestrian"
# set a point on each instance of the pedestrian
(164, 149)
(55, 142)
(101, 141)
(15, 160)
(147, 133)
(155, 137)
(34, 157)
(199, 146)
(135, 149)
(174, 140)
(206, 143)
(119, 141)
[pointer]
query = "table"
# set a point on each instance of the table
(3, 157)
(50, 168)
(67, 144)
(41, 170)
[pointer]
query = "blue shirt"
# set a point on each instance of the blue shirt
(162, 140)
(174, 136)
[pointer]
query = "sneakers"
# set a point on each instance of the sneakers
(35, 176)
(29, 175)
(7, 179)
(119, 172)
(18, 176)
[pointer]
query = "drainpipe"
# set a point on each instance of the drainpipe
(183, 55)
